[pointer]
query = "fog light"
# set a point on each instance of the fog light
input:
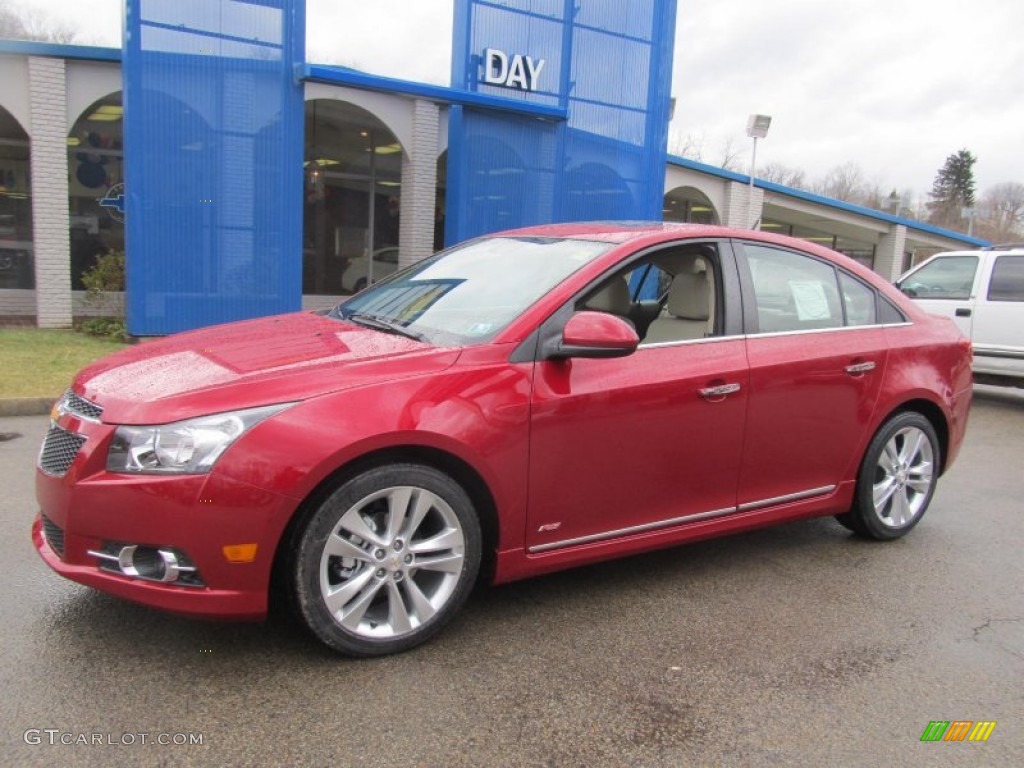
(161, 564)
(146, 563)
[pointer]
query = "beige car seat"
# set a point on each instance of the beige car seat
(689, 311)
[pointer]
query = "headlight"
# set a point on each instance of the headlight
(185, 447)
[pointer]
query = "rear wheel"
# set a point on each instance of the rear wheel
(896, 480)
(387, 560)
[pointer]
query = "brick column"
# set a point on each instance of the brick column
(889, 252)
(49, 163)
(740, 210)
(419, 186)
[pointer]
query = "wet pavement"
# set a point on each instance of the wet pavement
(796, 645)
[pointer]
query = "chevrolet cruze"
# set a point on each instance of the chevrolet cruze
(518, 404)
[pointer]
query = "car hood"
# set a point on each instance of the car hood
(248, 364)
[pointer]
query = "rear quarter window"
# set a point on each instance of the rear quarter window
(1007, 283)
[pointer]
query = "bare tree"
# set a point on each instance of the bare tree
(22, 23)
(690, 146)
(10, 22)
(1001, 212)
(783, 174)
(730, 155)
(844, 182)
(871, 195)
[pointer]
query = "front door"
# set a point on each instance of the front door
(652, 440)
(620, 444)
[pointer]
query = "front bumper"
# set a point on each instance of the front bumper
(204, 520)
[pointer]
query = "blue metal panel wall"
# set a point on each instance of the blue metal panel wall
(213, 149)
(609, 63)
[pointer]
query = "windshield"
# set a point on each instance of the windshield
(468, 294)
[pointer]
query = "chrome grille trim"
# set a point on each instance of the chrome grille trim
(60, 448)
(80, 407)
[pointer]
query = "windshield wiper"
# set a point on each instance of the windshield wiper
(379, 323)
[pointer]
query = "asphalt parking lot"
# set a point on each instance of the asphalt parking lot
(797, 645)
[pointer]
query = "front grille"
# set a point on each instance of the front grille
(54, 535)
(59, 449)
(81, 407)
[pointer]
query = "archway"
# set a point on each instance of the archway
(16, 263)
(595, 192)
(96, 184)
(352, 166)
(689, 204)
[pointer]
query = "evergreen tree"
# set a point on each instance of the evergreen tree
(953, 190)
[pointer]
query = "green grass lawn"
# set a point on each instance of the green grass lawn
(38, 363)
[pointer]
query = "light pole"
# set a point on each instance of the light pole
(757, 128)
(894, 202)
(967, 212)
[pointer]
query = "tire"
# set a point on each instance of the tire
(387, 560)
(360, 284)
(896, 480)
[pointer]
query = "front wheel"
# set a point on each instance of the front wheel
(386, 560)
(897, 478)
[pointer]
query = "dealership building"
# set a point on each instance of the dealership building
(242, 180)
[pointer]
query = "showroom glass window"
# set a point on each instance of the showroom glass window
(16, 270)
(352, 174)
(96, 184)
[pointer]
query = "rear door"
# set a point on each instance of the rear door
(817, 359)
(998, 329)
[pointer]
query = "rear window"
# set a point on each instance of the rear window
(1007, 282)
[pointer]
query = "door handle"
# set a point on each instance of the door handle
(858, 368)
(963, 312)
(720, 391)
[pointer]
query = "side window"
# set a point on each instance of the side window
(793, 292)
(948, 277)
(1007, 282)
(889, 314)
(669, 296)
(859, 301)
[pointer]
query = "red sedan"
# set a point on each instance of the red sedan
(518, 404)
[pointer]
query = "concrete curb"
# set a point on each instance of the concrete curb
(26, 406)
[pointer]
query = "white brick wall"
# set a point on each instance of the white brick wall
(889, 252)
(22, 303)
(49, 163)
(17, 301)
(419, 186)
(738, 211)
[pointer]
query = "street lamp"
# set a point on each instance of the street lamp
(757, 128)
(967, 212)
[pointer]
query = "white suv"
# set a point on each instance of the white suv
(983, 291)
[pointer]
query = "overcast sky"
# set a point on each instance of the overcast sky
(892, 85)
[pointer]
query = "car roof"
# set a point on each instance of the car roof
(654, 232)
(623, 231)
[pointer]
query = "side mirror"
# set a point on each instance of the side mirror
(596, 334)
